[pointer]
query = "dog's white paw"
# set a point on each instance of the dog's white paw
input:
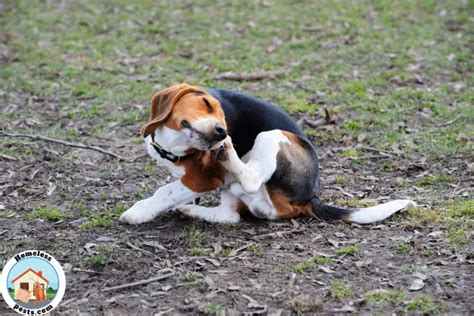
(137, 214)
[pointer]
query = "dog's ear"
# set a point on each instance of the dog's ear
(162, 104)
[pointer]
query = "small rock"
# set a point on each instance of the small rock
(416, 285)
(420, 276)
(299, 247)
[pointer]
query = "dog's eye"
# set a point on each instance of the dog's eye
(208, 105)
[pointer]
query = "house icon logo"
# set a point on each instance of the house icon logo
(32, 282)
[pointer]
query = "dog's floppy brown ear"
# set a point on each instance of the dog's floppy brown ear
(162, 104)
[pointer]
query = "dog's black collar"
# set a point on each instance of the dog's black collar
(162, 152)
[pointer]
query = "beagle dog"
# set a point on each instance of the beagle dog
(251, 149)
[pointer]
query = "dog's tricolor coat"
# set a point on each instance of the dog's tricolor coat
(250, 148)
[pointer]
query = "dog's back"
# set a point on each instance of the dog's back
(246, 117)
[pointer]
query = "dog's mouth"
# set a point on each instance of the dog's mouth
(209, 139)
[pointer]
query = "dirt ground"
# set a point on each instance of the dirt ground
(254, 267)
(401, 126)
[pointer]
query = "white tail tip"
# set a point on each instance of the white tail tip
(379, 212)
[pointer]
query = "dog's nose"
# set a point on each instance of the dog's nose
(220, 132)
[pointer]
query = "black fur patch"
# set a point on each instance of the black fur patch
(297, 172)
(246, 117)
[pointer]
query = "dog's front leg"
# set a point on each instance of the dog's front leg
(165, 198)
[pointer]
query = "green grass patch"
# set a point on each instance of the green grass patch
(401, 247)
(347, 250)
(425, 305)
(256, 249)
(322, 260)
(104, 218)
(433, 180)
(49, 213)
(199, 251)
(395, 297)
(454, 216)
(196, 237)
(102, 258)
(310, 264)
(339, 289)
(211, 307)
(341, 180)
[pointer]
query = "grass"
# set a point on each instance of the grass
(456, 217)
(338, 289)
(310, 264)
(53, 60)
(395, 297)
(190, 277)
(433, 180)
(199, 251)
(401, 247)
(196, 238)
(49, 213)
(347, 250)
(102, 218)
(425, 305)
(257, 249)
(102, 258)
(211, 308)
(341, 180)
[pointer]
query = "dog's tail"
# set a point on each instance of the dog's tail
(362, 215)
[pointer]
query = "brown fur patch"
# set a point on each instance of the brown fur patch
(241, 208)
(192, 107)
(285, 208)
(169, 107)
(292, 137)
(203, 172)
(163, 103)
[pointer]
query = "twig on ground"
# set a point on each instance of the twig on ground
(70, 144)
(142, 282)
(344, 192)
(137, 248)
(275, 234)
(316, 123)
(252, 76)
(235, 251)
(450, 122)
(389, 152)
(87, 271)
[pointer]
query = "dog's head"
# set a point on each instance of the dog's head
(191, 111)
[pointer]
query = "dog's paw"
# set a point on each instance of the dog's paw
(228, 143)
(137, 214)
(251, 182)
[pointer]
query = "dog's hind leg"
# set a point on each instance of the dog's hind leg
(262, 160)
(227, 212)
